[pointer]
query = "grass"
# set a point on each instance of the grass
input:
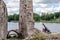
(34, 37)
(39, 37)
(51, 21)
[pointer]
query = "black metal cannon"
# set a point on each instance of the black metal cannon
(45, 29)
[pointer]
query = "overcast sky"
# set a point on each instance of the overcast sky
(39, 6)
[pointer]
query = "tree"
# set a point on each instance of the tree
(36, 17)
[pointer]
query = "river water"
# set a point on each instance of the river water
(53, 27)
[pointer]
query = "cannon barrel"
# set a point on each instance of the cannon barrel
(46, 29)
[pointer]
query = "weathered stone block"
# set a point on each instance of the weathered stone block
(26, 22)
(3, 20)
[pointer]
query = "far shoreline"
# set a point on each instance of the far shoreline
(38, 22)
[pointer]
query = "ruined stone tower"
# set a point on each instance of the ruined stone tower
(26, 23)
(3, 20)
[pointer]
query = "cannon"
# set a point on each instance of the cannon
(45, 29)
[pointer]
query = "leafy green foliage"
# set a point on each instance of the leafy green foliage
(51, 16)
(37, 17)
(14, 17)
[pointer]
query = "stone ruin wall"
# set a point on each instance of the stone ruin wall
(26, 22)
(3, 19)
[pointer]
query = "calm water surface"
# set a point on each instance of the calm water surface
(53, 27)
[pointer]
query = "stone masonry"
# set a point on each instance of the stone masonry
(3, 20)
(26, 22)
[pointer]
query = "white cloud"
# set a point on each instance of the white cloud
(46, 1)
(37, 1)
(38, 6)
(43, 5)
(12, 6)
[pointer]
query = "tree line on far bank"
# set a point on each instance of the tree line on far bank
(37, 17)
(51, 16)
(14, 17)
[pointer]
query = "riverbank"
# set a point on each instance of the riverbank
(39, 35)
(44, 36)
(51, 21)
(41, 21)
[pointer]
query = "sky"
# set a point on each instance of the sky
(39, 6)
